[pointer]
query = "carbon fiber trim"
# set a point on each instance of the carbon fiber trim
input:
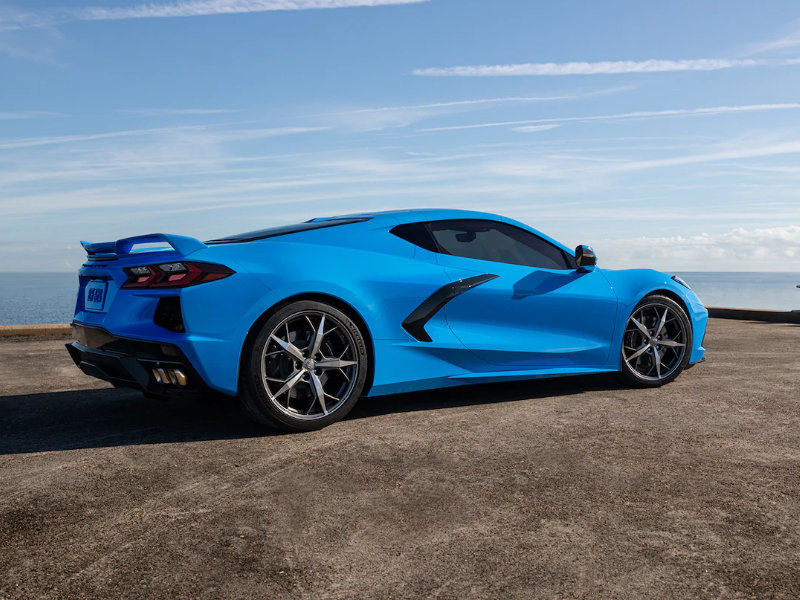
(415, 322)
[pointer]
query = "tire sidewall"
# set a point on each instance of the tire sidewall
(256, 398)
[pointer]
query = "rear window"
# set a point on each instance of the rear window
(261, 234)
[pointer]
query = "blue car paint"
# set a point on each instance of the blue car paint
(534, 317)
(527, 323)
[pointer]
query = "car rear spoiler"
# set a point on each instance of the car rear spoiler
(181, 244)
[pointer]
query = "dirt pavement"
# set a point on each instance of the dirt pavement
(561, 488)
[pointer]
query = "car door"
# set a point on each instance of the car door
(538, 310)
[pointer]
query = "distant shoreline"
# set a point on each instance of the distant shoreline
(49, 298)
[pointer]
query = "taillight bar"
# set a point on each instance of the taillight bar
(174, 274)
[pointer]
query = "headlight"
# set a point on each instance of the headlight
(677, 279)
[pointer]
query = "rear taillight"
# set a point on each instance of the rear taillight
(174, 274)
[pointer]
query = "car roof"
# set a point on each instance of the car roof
(412, 215)
(384, 220)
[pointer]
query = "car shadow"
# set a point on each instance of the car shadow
(95, 418)
(485, 393)
(114, 417)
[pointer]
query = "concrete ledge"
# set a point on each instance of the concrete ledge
(57, 330)
(746, 314)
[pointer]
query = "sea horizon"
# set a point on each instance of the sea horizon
(34, 298)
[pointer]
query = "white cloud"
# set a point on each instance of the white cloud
(680, 112)
(169, 112)
(385, 117)
(215, 7)
(745, 149)
(186, 8)
(481, 101)
(26, 114)
(208, 134)
(769, 171)
(782, 43)
(770, 248)
(533, 128)
(13, 144)
(45, 45)
(599, 68)
(572, 166)
(238, 135)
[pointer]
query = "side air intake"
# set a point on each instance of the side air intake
(414, 323)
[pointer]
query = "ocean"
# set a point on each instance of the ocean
(772, 291)
(28, 298)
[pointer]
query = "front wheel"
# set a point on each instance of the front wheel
(656, 343)
(306, 367)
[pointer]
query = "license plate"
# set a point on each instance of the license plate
(95, 295)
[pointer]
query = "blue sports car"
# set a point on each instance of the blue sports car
(301, 321)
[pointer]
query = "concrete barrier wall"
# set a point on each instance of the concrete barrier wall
(743, 314)
(57, 330)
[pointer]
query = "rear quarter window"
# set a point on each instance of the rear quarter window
(417, 234)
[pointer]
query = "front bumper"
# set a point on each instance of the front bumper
(133, 363)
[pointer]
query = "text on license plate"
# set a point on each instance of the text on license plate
(95, 295)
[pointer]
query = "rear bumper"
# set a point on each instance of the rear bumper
(133, 363)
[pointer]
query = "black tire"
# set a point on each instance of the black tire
(268, 362)
(635, 378)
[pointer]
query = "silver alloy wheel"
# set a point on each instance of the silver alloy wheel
(309, 365)
(654, 342)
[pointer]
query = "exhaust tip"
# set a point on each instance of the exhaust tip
(170, 376)
(180, 377)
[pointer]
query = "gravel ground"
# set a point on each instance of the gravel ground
(561, 488)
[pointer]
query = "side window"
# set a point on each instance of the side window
(497, 242)
(417, 234)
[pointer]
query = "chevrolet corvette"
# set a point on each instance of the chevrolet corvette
(300, 321)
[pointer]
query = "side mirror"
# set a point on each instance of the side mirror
(585, 258)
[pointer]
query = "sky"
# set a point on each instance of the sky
(664, 134)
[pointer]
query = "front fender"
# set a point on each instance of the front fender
(632, 285)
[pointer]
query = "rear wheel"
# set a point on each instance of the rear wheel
(656, 343)
(306, 368)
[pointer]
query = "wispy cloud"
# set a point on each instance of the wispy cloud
(27, 114)
(573, 166)
(746, 149)
(600, 68)
(186, 8)
(171, 112)
(649, 114)
(484, 101)
(385, 117)
(14, 144)
(45, 45)
(229, 135)
(534, 128)
(790, 40)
